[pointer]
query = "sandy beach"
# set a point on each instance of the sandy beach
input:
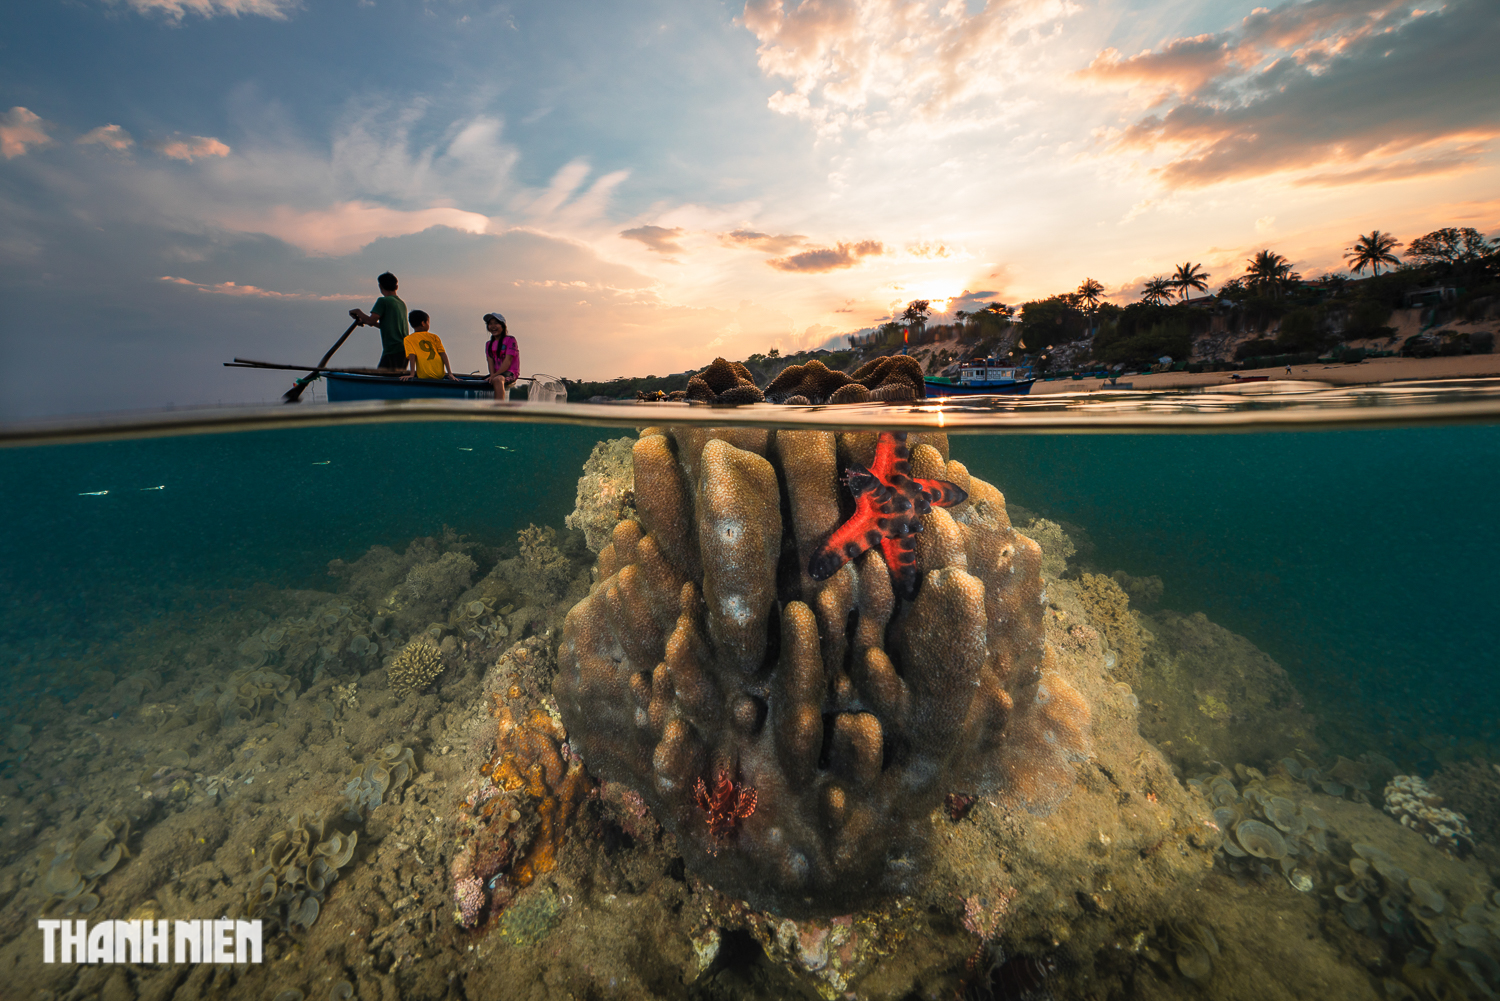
(1368, 372)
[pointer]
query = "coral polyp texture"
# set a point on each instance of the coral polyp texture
(795, 733)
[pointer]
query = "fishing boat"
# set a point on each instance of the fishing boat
(354, 384)
(346, 386)
(982, 377)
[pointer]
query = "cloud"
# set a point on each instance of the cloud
(969, 302)
(176, 10)
(657, 238)
(347, 226)
(251, 291)
(21, 129)
(1399, 170)
(1184, 64)
(860, 62)
(193, 148)
(765, 242)
(929, 251)
(109, 136)
(1343, 83)
(843, 255)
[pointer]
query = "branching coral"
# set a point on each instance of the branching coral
(707, 648)
(415, 667)
(1109, 608)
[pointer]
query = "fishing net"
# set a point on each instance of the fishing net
(546, 389)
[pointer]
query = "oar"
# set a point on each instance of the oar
(295, 393)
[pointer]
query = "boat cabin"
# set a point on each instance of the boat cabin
(988, 370)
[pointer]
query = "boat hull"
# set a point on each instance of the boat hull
(1020, 388)
(346, 386)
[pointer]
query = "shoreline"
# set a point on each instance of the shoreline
(1371, 371)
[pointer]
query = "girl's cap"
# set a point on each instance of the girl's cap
(497, 317)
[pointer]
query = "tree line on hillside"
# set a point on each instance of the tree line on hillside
(1313, 314)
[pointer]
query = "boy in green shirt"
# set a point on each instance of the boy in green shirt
(425, 357)
(389, 314)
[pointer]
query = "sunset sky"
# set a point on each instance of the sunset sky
(641, 186)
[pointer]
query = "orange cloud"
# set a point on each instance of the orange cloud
(657, 238)
(1353, 84)
(21, 129)
(1183, 65)
(252, 292)
(765, 242)
(843, 255)
(194, 148)
(109, 136)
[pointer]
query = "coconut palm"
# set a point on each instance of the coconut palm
(1269, 273)
(1188, 277)
(1090, 292)
(1371, 251)
(1158, 290)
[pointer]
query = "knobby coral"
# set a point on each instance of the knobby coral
(706, 651)
(724, 382)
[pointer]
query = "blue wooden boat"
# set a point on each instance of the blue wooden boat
(982, 377)
(346, 386)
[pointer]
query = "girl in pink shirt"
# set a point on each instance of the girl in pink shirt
(502, 355)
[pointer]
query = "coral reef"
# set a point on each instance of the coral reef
(813, 382)
(606, 492)
(441, 581)
(366, 786)
(543, 561)
(78, 866)
(1055, 543)
(850, 713)
(303, 863)
(1109, 608)
(531, 758)
(1208, 694)
(1408, 799)
(891, 378)
(415, 667)
(1144, 592)
(724, 383)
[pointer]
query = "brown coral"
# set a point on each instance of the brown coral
(1109, 607)
(813, 383)
(529, 760)
(705, 648)
(415, 667)
(892, 378)
(724, 382)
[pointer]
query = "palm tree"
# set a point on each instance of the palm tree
(1189, 277)
(1090, 292)
(1269, 272)
(1371, 251)
(1158, 290)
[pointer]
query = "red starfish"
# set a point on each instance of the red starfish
(726, 806)
(888, 508)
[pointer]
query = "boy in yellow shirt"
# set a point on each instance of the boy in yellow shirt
(425, 357)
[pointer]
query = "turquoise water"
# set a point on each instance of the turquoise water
(153, 590)
(1363, 561)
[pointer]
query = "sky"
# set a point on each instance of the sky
(640, 187)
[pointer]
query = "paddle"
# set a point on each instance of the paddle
(295, 393)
